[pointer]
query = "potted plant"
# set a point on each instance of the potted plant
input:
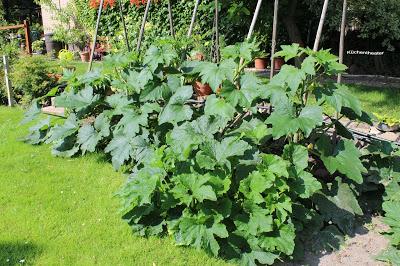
(37, 46)
(66, 57)
(387, 123)
(278, 63)
(199, 54)
(76, 37)
(261, 60)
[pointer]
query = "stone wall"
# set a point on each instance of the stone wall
(49, 21)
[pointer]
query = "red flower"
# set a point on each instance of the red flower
(96, 3)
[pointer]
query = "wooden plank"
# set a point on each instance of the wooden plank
(13, 27)
(8, 81)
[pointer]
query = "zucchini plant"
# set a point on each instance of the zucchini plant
(224, 175)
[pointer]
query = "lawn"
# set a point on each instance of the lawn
(378, 100)
(57, 211)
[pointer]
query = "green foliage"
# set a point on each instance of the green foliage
(38, 45)
(391, 180)
(30, 77)
(223, 176)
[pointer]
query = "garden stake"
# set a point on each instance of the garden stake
(8, 81)
(146, 12)
(215, 53)
(253, 24)
(196, 6)
(321, 25)
(171, 19)
(342, 36)
(121, 13)
(95, 35)
(273, 44)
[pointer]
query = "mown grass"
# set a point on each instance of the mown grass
(56, 211)
(380, 100)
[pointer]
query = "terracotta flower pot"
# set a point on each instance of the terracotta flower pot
(85, 56)
(261, 63)
(199, 57)
(201, 89)
(278, 63)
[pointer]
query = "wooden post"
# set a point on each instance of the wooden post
(121, 13)
(196, 6)
(8, 81)
(321, 25)
(95, 35)
(342, 36)
(27, 37)
(171, 19)
(141, 33)
(273, 43)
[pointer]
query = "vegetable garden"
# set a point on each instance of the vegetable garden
(255, 171)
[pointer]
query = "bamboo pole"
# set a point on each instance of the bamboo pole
(253, 22)
(342, 37)
(321, 25)
(252, 25)
(171, 19)
(8, 81)
(121, 13)
(273, 43)
(217, 31)
(146, 12)
(196, 6)
(95, 35)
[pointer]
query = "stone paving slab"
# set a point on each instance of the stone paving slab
(371, 130)
(56, 111)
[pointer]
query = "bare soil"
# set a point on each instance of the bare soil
(359, 250)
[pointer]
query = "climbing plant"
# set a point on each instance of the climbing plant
(225, 174)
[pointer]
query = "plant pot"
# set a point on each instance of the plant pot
(260, 63)
(278, 63)
(201, 89)
(199, 56)
(386, 128)
(56, 77)
(85, 56)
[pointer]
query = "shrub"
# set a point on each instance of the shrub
(225, 175)
(30, 78)
(12, 50)
(38, 45)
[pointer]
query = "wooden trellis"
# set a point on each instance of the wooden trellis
(25, 26)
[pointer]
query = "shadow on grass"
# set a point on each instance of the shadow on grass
(384, 98)
(18, 252)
